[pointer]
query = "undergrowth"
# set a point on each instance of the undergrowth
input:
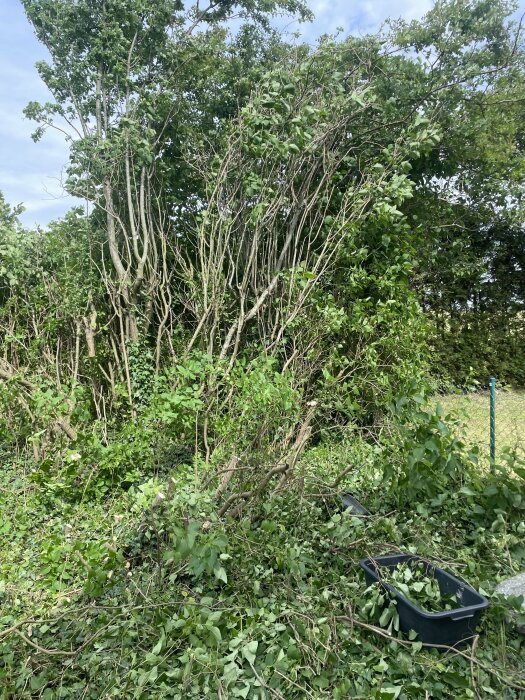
(150, 595)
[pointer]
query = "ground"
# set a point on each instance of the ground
(269, 606)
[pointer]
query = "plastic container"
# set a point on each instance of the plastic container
(348, 502)
(450, 627)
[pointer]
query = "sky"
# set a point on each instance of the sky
(31, 173)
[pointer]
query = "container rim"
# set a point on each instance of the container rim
(465, 611)
(357, 503)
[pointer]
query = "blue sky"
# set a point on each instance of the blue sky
(32, 173)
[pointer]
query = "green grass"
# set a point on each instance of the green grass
(474, 409)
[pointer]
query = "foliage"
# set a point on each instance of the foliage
(426, 458)
(173, 122)
(467, 213)
(420, 587)
(102, 457)
(251, 607)
(283, 241)
(263, 405)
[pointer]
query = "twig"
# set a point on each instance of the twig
(274, 693)
(445, 647)
(303, 690)
(472, 660)
(61, 652)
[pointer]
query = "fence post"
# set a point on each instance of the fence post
(493, 419)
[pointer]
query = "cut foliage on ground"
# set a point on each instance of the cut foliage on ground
(143, 596)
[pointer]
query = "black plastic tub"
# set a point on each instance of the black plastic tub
(351, 504)
(451, 627)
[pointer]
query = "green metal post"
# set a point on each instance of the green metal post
(493, 419)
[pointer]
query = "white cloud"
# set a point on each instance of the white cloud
(361, 17)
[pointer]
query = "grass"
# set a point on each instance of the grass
(474, 408)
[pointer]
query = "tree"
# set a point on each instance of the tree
(131, 81)
(265, 219)
(466, 214)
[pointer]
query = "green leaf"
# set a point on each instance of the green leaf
(249, 651)
(467, 491)
(385, 618)
(220, 573)
(215, 631)
(390, 692)
(158, 646)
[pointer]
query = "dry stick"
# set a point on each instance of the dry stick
(76, 361)
(13, 628)
(60, 652)
(214, 475)
(223, 249)
(205, 437)
(121, 608)
(303, 435)
(279, 469)
(274, 693)
(145, 228)
(341, 476)
(406, 643)
(472, 660)
(66, 427)
(8, 375)
(302, 438)
(62, 422)
(228, 474)
(288, 465)
(303, 690)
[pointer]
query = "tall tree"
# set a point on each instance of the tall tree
(467, 214)
(131, 82)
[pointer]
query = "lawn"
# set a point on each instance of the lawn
(474, 409)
